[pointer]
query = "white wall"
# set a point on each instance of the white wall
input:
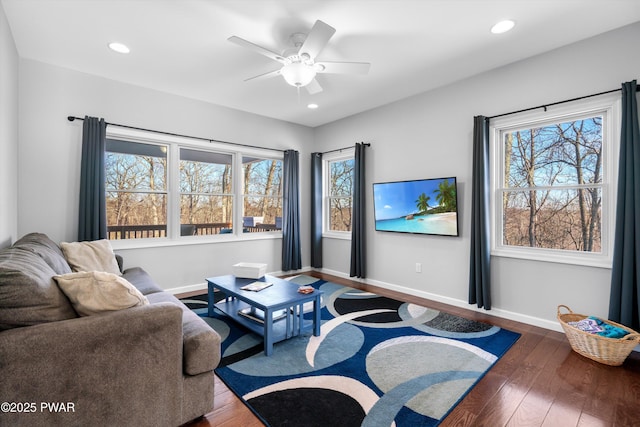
(8, 134)
(429, 136)
(424, 136)
(50, 148)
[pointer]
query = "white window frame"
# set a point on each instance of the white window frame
(243, 193)
(327, 159)
(609, 107)
(174, 143)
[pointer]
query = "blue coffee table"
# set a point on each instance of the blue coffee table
(281, 299)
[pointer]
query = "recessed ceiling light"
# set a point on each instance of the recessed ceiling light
(503, 26)
(118, 47)
(312, 106)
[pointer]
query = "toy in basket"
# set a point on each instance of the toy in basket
(609, 351)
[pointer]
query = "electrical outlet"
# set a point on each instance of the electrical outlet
(418, 267)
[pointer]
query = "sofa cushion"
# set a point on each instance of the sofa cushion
(28, 293)
(201, 344)
(93, 292)
(96, 255)
(45, 248)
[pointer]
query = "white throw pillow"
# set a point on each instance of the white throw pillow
(96, 255)
(93, 292)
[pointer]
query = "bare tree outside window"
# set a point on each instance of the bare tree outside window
(262, 205)
(138, 193)
(340, 194)
(136, 190)
(206, 199)
(552, 186)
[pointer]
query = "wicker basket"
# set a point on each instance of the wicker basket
(610, 351)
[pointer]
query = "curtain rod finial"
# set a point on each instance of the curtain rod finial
(71, 118)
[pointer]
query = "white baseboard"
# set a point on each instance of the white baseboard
(289, 273)
(188, 288)
(505, 314)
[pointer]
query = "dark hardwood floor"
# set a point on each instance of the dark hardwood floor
(539, 382)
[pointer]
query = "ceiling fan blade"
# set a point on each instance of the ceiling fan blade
(265, 75)
(313, 87)
(342, 67)
(317, 39)
(259, 49)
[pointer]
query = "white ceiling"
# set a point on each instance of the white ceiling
(181, 47)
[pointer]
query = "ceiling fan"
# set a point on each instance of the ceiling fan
(299, 65)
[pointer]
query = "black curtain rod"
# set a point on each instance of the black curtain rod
(345, 148)
(559, 102)
(72, 118)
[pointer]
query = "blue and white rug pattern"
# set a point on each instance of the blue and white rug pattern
(377, 362)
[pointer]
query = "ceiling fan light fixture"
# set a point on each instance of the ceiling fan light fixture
(298, 74)
(298, 66)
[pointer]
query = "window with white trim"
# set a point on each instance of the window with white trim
(338, 193)
(164, 187)
(136, 184)
(206, 192)
(262, 197)
(553, 183)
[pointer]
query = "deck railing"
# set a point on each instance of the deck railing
(118, 232)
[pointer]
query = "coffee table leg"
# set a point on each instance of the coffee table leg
(296, 320)
(317, 307)
(289, 332)
(210, 299)
(268, 332)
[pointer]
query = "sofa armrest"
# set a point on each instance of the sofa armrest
(120, 262)
(118, 368)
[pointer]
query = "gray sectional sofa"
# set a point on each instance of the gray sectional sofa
(150, 365)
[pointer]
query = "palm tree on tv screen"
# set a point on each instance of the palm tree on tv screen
(446, 195)
(423, 202)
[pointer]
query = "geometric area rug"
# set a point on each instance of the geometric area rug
(377, 362)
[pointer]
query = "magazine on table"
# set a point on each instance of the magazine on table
(256, 286)
(258, 315)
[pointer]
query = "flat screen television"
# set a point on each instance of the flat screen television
(424, 206)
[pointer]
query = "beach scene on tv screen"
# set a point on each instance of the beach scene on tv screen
(424, 206)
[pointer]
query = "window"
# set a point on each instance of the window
(164, 187)
(552, 183)
(206, 198)
(262, 183)
(136, 189)
(338, 172)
